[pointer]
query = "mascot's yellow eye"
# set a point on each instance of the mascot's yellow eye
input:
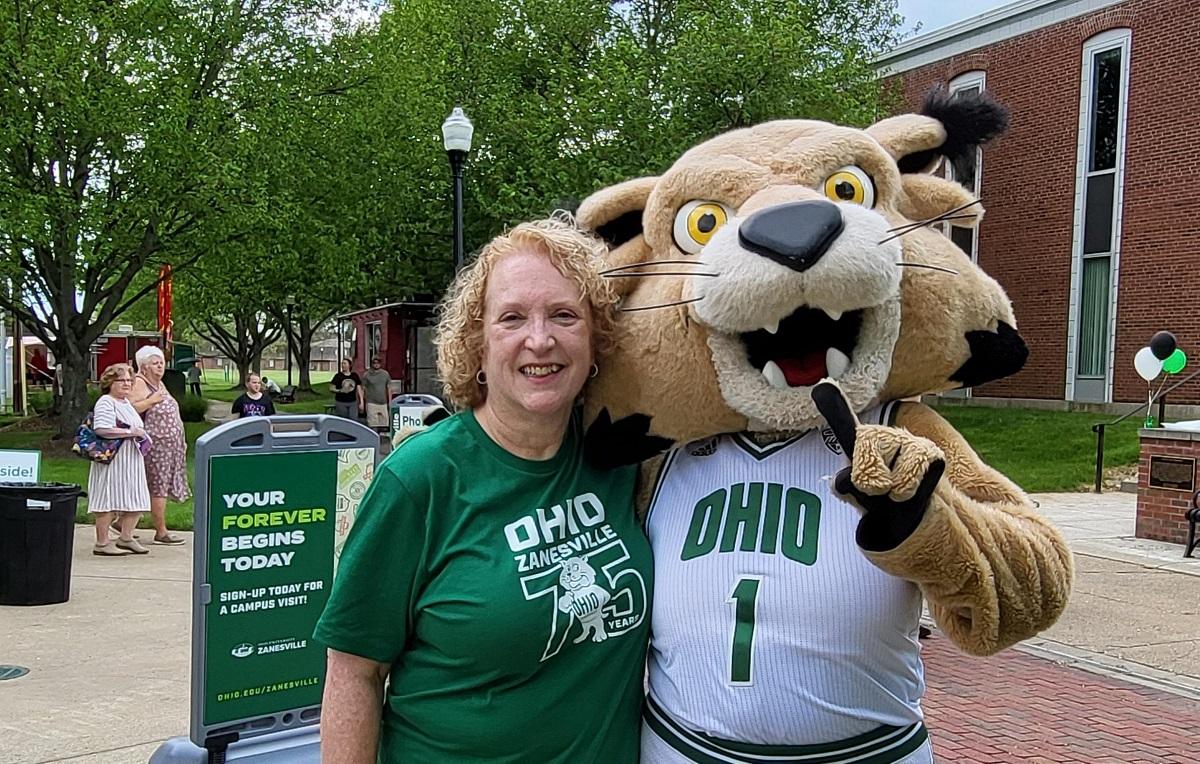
(851, 184)
(696, 222)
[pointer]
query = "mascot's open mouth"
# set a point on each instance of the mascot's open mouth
(809, 345)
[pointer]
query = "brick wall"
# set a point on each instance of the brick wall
(1028, 186)
(1160, 510)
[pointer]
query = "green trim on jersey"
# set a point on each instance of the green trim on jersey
(883, 745)
(659, 479)
(760, 452)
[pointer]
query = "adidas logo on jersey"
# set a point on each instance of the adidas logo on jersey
(704, 447)
(831, 441)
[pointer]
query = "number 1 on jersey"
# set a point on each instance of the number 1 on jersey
(745, 605)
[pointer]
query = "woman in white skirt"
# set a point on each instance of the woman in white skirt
(118, 489)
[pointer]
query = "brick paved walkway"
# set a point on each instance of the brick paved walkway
(1015, 707)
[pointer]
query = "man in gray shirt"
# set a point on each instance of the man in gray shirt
(375, 387)
(193, 378)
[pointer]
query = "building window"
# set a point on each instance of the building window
(374, 341)
(968, 172)
(1104, 92)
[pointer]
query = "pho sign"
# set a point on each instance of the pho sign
(20, 466)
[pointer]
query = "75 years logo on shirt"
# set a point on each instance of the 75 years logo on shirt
(578, 565)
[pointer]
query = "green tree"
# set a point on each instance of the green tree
(569, 95)
(118, 123)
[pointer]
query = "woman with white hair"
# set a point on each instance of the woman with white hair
(166, 464)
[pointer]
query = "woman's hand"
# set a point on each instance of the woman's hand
(137, 432)
(156, 397)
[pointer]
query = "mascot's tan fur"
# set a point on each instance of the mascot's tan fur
(753, 320)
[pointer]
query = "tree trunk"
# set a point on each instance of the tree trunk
(74, 404)
(304, 353)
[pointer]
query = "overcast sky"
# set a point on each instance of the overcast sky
(935, 14)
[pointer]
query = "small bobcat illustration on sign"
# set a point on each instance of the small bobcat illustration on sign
(584, 598)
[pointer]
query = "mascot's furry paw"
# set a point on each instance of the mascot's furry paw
(892, 473)
(609, 444)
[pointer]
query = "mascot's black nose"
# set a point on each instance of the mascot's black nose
(796, 234)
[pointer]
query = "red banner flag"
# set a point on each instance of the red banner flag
(164, 304)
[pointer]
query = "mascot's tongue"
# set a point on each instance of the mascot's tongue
(808, 369)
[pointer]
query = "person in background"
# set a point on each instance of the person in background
(117, 490)
(193, 378)
(270, 386)
(166, 462)
(497, 582)
(347, 392)
(375, 391)
(253, 402)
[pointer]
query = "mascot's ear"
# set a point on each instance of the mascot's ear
(927, 196)
(948, 126)
(615, 213)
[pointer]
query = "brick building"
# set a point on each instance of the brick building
(1092, 196)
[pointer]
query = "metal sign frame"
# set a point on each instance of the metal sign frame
(252, 436)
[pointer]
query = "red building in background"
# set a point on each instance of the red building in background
(401, 333)
(1091, 195)
(119, 347)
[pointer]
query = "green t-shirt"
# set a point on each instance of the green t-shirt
(511, 597)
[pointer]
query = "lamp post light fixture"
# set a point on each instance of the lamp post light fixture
(289, 302)
(456, 137)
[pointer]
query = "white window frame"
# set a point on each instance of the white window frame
(1105, 41)
(965, 81)
(975, 78)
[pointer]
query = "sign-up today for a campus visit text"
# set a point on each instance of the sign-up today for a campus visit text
(273, 535)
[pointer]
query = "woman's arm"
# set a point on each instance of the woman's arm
(351, 709)
(109, 433)
(141, 397)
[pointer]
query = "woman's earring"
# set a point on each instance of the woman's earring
(595, 370)
(480, 378)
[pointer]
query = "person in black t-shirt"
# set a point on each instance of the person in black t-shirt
(347, 392)
(253, 402)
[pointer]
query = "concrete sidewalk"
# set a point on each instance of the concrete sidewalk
(109, 669)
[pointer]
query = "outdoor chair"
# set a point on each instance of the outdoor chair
(286, 395)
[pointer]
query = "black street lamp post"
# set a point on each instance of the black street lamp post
(456, 136)
(289, 303)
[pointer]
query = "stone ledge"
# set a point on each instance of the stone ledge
(1162, 433)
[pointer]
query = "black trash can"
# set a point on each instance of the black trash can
(37, 534)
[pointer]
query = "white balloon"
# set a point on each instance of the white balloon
(1148, 367)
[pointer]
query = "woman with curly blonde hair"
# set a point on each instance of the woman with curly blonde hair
(117, 490)
(488, 560)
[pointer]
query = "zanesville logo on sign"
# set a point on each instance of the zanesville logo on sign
(245, 649)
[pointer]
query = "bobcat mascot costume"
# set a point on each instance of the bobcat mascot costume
(797, 524)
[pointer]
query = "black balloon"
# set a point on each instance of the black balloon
(1162, 344)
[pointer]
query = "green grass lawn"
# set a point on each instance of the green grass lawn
(1045, 450)
(57, 468)
(214, 384)
(1040, 450)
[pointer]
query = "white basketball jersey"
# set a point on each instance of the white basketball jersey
(770, 626)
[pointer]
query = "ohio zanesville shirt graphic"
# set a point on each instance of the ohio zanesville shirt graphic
(575, 562)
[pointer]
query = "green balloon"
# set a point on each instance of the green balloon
(1175, 362)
